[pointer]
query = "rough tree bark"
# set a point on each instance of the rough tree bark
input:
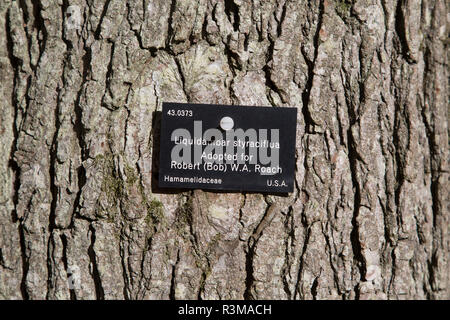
(81, 81)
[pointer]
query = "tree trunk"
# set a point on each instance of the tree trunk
(82, 217)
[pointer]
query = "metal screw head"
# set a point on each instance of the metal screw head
(226, 123)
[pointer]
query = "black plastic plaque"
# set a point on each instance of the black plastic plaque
(183, 167)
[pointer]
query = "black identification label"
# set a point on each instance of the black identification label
(227, 147)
